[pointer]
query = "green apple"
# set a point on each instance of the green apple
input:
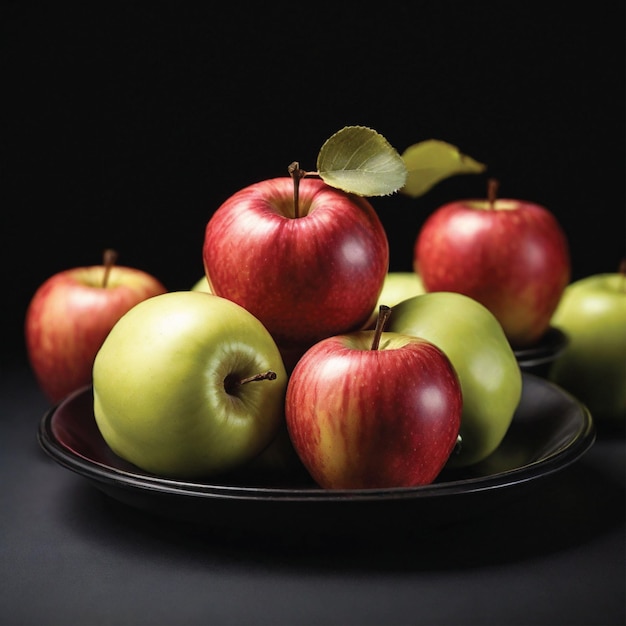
(188, 384)
(474, 341)
(399, 286)
(592, 313)
(202, 285)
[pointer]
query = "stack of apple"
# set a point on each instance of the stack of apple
(362, 408)
(275, 359)
(278, 363)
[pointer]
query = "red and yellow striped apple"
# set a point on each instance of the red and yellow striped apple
(70, 315)
(367, 413)
(308, 260)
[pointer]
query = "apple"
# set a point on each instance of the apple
(70, 315)
(373, 409)
(490, 376)
(202, 284)
(400, 286)
(592, 313)
(510, 255)
(308, 260)
(188, 384)
(397, 286)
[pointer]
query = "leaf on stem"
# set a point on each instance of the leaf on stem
(429, 162)
(359, 160)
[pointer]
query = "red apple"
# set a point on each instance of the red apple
(71, 314)
(510, 255)
(366, 413)
(306, 259)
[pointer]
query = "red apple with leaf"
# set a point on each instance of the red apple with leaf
(71, 314)
(305, 257)
(510, 255)
(309, 256)
(373, 409)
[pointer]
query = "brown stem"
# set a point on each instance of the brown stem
(109, 259)
(622, 271)
(231, 382)
(383, 317)
(297, 175)
(492, 192)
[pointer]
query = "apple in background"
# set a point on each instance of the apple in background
(188, 384)
(202, 285)
(510, 255)
(400, 286)
(70, 315)
(308, 260)
(373, 409)
(592, 313)
(490, 377)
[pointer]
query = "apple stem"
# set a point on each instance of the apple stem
(297, 175)
(231, 382)
(622, 271)
(383, 317)
(109, 259)
(492, 192)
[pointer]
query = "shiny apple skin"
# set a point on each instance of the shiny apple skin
(363, 419)
(161, 398)
(592, 313)
(305, 278)
(514, 259)
(69, 317)
(490, 376)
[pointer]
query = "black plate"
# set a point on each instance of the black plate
(550, 430)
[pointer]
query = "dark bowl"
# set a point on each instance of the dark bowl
(550, 430)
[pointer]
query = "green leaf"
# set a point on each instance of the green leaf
(359, 160)
(429, 162)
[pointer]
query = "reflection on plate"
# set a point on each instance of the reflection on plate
(550, 430)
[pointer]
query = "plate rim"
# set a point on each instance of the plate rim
(105, 475)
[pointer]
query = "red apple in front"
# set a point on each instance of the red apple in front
(510, 255)
(71, 314)
(306, 259)
(364, 414)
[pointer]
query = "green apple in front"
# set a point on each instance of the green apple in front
(490, 376)
(188, 384)
(592, 312)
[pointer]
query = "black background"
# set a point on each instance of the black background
(125, 125)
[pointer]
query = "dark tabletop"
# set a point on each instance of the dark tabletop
(72, 555)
